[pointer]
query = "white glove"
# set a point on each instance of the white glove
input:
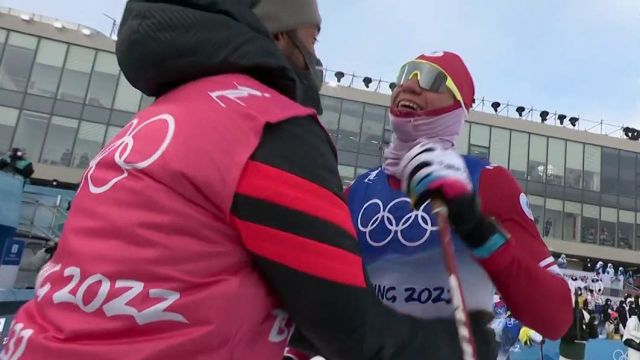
(430, 170)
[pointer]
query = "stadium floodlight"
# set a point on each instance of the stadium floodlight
(58, 25)
(544, 114)
(495, 106)
(86, 31)
(26, 17)
(561, 118)
(339, 75)
(573, 120)
(367, 81)
(520, 110)
(392, 86)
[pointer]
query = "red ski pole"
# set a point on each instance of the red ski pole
(463, 323)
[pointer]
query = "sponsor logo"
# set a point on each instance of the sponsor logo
(236, 94)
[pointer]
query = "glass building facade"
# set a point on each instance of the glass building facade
(578, 192)
(62, 102)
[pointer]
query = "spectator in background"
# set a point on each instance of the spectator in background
(547, 227)
(591, 301)
(65, 159)
(84, 161)
(587, 266)
(599, 268)
(562, 261)
(614, 328)
(573, 343)
(611, 272)
(623, 314)
(631, 337)
(16, 162)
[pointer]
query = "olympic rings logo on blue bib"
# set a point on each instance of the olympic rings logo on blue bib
(379, 223)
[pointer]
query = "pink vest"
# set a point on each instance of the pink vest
(148, 265)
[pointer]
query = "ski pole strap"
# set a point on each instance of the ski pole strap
(490, 246)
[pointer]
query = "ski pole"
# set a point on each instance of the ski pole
(463, 323)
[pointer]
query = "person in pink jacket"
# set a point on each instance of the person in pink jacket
(214, 220)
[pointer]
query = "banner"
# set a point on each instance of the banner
(596, 350)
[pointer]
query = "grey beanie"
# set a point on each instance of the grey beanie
(283, 15)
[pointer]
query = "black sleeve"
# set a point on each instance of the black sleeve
(339, 315)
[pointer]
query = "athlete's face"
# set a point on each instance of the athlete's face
(411, 97)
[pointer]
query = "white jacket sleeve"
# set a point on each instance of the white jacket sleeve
(632, 331)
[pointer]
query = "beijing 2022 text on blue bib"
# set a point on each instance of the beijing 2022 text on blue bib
(401, 249)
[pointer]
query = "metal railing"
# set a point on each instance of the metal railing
(41, 220)
(530, 113)
(58, 23)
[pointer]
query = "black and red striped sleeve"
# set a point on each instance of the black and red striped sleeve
(289, 210)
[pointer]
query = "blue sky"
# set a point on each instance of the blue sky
(580, 57)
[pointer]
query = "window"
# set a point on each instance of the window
(627, 174)
(637, 231)
(30, 133)
(47, 68)
(518, 154)
(592, 168)
(386, 138)
(536, 203)
(480, 135)
(537, 158)
(347, 158)
(3, 38)
(8, 119)
(104, 77)
(555, 169)
(574, 165)
(16, 62)
(571, 221)
(610, 158)
(59, 142)
(553, 219)
(372, 125)
(368, 162)
(608, 221)
(146, 101)
(330, 115)
(127, 97)
(75, 76)
(481, 152)
(463, 141)
(346, 173)
(88, 143)
(499, 153)
(590, 216)
(112, 131)
(626, 225)
(350, 121)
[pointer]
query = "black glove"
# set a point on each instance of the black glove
(470, 224)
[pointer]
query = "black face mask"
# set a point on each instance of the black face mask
(311, 77)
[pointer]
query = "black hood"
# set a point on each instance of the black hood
(163, 44)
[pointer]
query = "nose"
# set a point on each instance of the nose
(412, 85)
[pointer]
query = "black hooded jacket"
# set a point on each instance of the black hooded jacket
(164, 44)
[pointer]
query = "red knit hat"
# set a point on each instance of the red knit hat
(455, 68)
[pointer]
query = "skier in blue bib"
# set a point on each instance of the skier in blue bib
(496, 240)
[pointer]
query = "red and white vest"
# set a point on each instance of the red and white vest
(149, 266)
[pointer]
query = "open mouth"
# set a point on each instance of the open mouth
(408, 105)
